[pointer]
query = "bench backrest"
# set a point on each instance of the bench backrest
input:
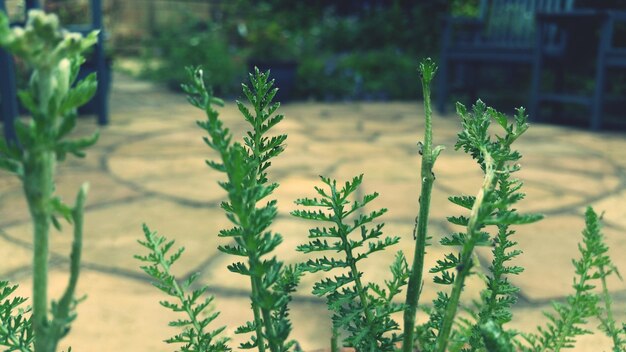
(512, 22)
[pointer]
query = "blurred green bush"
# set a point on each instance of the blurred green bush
(344, 49)
(193, 42)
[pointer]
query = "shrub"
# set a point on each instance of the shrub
(192, 42)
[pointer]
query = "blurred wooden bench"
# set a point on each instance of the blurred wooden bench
(95, 62)
(503, 33)
(609, 55)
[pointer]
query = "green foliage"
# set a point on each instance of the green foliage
(193, 42)
(605, 267)
(266, 34)
(492, 207)
(363, 310)
(16, 332)
(569, 319)
(245, 166)
(358, 75)
(52, 97)
(194, 337)
(427, 69)
(363, 51)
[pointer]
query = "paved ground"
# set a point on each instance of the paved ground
(149, 167)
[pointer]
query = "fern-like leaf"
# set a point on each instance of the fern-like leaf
(194, 336)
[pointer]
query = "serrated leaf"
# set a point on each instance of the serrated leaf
(80, 94)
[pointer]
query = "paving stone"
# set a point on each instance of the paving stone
(292, 188)
(13, 205)
(102, 187)
(15, 257)
(111, 233)
(614, 209)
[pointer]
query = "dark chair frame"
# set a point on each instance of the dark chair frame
(96, 62)
(609, 56)
(475, 47)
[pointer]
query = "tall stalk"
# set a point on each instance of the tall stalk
(52, 99)
(427, 70)
(38, 188)
(465, 265)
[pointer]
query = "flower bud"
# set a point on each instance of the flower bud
(63, 73)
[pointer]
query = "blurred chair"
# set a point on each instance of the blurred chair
(504, 33)
(593, 30)
(95, 62)
(610, 56)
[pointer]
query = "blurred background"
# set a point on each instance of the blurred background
(348, 69)
(323, 50)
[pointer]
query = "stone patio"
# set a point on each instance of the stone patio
(148, 167)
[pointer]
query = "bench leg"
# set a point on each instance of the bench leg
(596, 104)
(533, 106)
(442, 85)
(8, 95)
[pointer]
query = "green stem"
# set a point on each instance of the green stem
(259, 312)
(180, 294)
(489, 308)
(269, 328)
(466, 256)
(357, 281)
(39, 187)
(609, 322)
(359, 285)
(257, 283)
(62, 312)
(421, 227)
(334, 339)
(343, 233)
(258, 322)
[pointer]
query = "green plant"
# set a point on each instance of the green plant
(159, 266)
(491, 207)
(357, 75)
(245, 166)
(52, 97)
(266, 36)
(192, 42)
(362, 312)
(16, 331)
(594, 265)
(429, 156)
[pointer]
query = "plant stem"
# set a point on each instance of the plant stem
(359, 285)
(62, 312)
(38, 187)
(269, 329)
(357, 281)
(466, 256)
(421, 227)
(334, 339)
(258, 322)
(609, 322)
(180, 294)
